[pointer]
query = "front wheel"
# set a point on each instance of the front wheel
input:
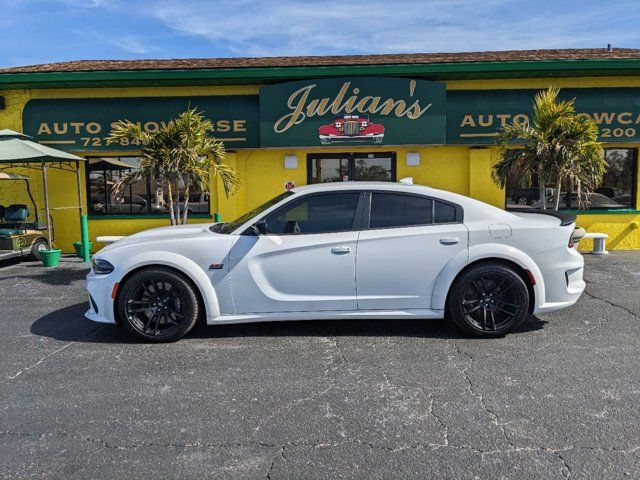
(489, 300)
(158, 305)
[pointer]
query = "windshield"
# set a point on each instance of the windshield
(231, 226)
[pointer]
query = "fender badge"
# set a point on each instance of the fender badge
(216, 266)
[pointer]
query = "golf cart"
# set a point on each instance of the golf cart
(18, 237)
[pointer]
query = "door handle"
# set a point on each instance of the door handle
(340, 250)
(449, 241)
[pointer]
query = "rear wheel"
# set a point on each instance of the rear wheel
(489, 300)
(158, 305)
(37, 246)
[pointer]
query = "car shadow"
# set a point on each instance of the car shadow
(51, 277)
(69, 324)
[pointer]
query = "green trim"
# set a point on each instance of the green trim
(247, 76)
(604, 211)
(145, 217)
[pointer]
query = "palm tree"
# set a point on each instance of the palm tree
(559, 147)
(181, 154)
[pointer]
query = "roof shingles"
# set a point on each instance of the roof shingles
(343, 60)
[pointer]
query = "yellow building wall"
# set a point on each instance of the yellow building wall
(461, 169)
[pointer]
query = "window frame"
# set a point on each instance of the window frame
(351, 159)
(366, 221)
(147, 213)
(634, 181)
(356, 225)
(634, 189)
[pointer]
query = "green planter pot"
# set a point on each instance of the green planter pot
(50, 258)
(78, 248)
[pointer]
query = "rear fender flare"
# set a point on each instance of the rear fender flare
(482, 252)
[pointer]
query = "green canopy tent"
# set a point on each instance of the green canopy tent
(17, 150)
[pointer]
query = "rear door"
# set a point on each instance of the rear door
(405, 242)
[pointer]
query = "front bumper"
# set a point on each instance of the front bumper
(101, 305)
(374, 137)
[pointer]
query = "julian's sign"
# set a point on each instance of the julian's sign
(352, 111)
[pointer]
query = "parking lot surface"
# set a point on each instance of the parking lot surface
(350, 399)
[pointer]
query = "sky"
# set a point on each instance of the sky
(43, 31)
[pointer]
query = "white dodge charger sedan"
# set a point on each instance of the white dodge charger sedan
(342, 250)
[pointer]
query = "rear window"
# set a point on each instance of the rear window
(402, 210)
(398, 210)
(444, 212)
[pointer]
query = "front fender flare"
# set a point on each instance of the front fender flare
(184, 265)
(482, 252)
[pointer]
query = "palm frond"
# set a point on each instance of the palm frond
(182, 153)
(558, 146)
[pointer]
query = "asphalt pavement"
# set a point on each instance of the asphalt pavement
(345, 399)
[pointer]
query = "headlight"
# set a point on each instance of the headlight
(101, 267)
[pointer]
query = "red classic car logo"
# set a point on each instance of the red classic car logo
(351, 128)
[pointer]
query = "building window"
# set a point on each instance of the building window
(344, 167)
(144, 198)
(616, 192)
(620, 179)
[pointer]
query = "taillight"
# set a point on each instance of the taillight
(570, 243)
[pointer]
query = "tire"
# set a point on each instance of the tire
(489, 300)
(158, 305)
(524, 201)
(36, 246)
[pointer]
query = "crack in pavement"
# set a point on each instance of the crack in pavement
(609, 302)
(273, 461)
(445, 428)
(471, 388)
(67, 345)
(332, 366)
(566, 469)
(319, 444)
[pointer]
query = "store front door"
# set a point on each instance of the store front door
(345, 167)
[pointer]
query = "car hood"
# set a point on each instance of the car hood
(164, 233)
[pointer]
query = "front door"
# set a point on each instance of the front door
(305, 262)
(345, 167)
(403, 246)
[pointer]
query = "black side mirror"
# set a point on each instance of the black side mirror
(260, 228)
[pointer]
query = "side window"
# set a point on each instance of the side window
(315, 214)
(444, 212)
(399, 210)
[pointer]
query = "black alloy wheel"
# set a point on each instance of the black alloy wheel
(489, 300)
(158, 304)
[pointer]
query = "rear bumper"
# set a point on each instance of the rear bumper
(563, 280)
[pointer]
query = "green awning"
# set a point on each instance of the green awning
(16, 147)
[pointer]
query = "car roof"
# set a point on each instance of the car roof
(332, 186)
(474, 209)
